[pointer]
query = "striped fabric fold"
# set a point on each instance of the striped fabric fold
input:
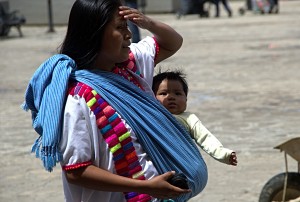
(45, 97)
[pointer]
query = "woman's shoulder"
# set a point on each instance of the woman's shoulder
(145, 47)
(79, 88)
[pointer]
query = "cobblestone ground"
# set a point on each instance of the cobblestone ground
(244, 82)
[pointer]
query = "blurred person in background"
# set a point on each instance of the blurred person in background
(136, 37)
(226, 6)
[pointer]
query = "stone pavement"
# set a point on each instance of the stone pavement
(244, 82)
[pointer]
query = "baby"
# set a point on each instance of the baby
(171, 89)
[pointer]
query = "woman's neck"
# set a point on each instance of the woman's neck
(104, 66)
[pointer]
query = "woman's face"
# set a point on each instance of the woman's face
(115, 44)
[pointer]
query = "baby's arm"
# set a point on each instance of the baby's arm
(96, 178)
(209, 143)
(168, 39)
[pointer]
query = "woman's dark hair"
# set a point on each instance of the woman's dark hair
(176, 75)
(87, 22)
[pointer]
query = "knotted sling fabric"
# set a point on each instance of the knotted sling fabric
(45, 97)
(168, 144)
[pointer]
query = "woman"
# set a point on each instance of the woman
(96, 132)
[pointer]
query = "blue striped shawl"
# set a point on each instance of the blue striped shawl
(167, 143)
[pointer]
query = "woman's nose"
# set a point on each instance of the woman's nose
(128, 34)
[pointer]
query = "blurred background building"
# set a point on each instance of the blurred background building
(37, 11)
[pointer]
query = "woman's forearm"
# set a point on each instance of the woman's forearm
(92, 177)
(168, 39)
(95, 178)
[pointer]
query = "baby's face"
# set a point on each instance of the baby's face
(170, 93)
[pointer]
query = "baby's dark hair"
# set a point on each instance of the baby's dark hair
(176, 75)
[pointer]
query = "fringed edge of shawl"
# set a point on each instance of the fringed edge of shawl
(24, 106)
(49, 155)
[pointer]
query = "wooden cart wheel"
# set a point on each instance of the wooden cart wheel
(273, 189)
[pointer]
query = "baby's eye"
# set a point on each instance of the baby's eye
(162, 93)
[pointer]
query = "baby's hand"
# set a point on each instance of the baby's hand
(233, 159)
(135, 16)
